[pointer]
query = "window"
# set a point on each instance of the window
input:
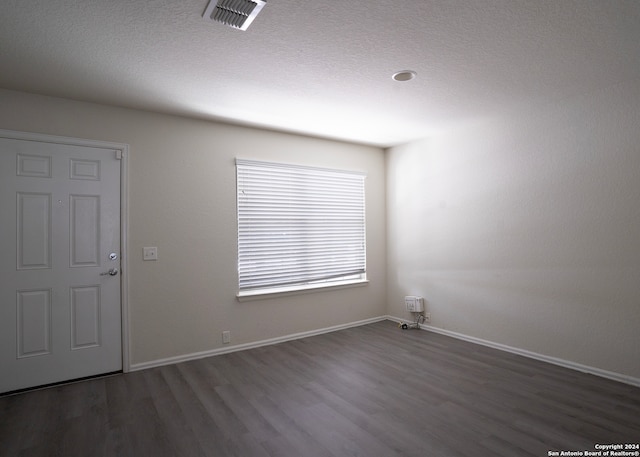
(298, 227)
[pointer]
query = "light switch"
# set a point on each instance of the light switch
(150, 253)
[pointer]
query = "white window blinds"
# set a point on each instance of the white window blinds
(298, 225)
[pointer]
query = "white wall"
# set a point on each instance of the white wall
(525, 230)
(183, 200)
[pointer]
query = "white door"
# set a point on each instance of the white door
(60, 310)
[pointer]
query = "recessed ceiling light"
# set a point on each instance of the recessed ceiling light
(404, 75)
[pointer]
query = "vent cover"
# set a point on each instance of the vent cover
(238, 14)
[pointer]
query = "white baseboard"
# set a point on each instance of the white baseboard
(255, 344)
(503, 347)
(532, 355)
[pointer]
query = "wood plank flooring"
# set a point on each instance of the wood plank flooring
(368, 391)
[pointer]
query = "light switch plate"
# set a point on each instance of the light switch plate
(150, 253)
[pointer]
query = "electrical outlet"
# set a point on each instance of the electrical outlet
(226, 337)
(427, 318)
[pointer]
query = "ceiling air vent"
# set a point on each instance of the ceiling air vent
(238, 14)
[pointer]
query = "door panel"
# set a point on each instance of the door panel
(85, 230)
(34, 322)
(60, 315)
(36, 166)
(34, 230)
(85, 317)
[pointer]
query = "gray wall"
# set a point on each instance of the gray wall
(524, 230)
(520, 230)
(182, 199)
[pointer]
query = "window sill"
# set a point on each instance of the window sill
(274, 292)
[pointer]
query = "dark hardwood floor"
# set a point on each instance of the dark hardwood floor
(368, 391)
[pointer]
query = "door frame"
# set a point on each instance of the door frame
(123, 151)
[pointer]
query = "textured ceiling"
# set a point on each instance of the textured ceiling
(323, 68)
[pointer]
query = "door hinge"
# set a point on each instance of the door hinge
(118, 154)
